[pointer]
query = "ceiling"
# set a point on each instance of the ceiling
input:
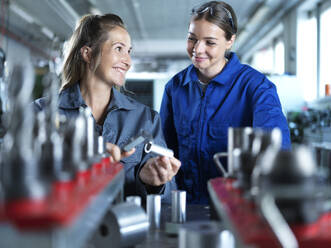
(158, 28)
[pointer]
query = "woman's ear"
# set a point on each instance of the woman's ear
(86, 51)
(230, 42)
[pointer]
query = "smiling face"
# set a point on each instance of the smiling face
(206, 46)
(115, 58)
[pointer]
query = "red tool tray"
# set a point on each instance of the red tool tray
(250, 225)
(64, 203)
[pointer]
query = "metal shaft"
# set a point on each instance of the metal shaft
(134, 199)
(154, 211)
(178, 206)
(159, 150)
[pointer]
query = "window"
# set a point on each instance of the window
(268, 54)
(279, 60)
(270, 59)
(325, 51)
(307, 56)
(263, 60)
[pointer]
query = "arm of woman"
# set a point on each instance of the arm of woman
(268, 112)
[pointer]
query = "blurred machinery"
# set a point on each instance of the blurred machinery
(272, 197)
(2, 90)
(310, 125)
(56, 182)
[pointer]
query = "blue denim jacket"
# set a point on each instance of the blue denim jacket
(195, 124)
(125, 118)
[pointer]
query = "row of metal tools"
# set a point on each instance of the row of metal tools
(40, 148)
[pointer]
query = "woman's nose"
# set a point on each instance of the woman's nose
(127, 60)
(198, 47)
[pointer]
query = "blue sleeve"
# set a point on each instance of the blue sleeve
(167, 120)
(267, 111)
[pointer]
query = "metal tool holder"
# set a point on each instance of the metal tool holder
(251, 229)
(55, 188)
(283, 204)
(69, 217)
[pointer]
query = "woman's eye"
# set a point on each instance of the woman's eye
(118, 48)
(191, 39)
(210, 43)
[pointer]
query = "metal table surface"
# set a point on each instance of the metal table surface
(161, 239)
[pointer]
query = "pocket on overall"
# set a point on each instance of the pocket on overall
(183, 133)
(217, 135)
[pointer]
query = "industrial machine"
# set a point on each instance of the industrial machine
(272, 197)
(57, 183)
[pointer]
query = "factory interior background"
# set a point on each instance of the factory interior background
(287, 40)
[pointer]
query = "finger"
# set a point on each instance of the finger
(109, 146)
(129, 153)
(167, 165)
(171, 172)
(162, 172)
(165, 159)
(111, 159)
(114, 151)
(175, 164)
(154, 172)
(149, 174)
(164, 162)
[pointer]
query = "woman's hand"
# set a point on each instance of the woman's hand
(159, 170)
(116, 154)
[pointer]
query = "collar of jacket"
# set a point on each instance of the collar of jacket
(229, 70)
(71, 98)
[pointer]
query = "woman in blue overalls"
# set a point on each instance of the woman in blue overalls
(215, 92)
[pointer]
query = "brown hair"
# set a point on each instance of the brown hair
(92, 31)
(218, 13)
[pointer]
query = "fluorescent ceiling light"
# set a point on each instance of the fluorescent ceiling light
(22, 13)
(47, 32)
(95, 11)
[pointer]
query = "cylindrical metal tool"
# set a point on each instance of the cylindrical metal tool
(101, 147)
(20, 173)
(154, 211)
(134, 199)
(178, 206)
(125, 225)
(159, 150)
(200, 234)
(87, 113)
(79, 144)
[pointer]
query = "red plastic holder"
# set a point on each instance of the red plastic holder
(65, 202)
(252, 228)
